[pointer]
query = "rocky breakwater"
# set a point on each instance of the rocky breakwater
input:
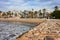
(48, 30)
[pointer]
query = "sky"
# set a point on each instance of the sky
(6, 5)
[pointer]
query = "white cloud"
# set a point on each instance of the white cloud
(21, 4)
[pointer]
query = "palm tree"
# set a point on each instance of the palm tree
(25, 13)
(40, 13)
(44, 11)
(0, 13)
(9, 13)
(35, 14)
(30, 14)
(4, 15)
(56, 8)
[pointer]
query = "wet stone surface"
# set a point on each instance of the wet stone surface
(11, 30)
(50, 28)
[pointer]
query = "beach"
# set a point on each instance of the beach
(27, 20)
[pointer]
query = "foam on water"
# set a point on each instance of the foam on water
(11, 30)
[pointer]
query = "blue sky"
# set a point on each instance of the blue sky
(7, 5)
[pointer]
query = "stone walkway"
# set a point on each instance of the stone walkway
(48, 29)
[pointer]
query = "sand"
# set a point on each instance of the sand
(27, 20)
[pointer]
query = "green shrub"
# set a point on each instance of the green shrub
(56, 14)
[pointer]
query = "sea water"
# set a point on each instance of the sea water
(11, 30)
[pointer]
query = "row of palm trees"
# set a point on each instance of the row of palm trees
(27, 14)
(24, 14)
(6, 14)
(34, 14)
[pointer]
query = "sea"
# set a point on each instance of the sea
(11, 30)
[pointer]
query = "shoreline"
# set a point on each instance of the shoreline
(26, 20)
